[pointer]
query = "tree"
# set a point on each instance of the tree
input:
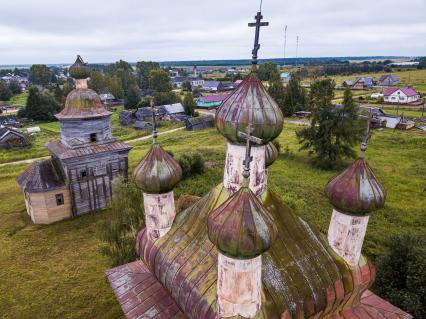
(422, 63)
(159, 81)
(143, 69)
(5, 93)
(295, 96)
(114, 87)
(267, 70)
(14, 87)
(59, 94)
(118, 233)
(132, 98)
(401, 275)
(162, 98)
(97, 82)
(67, 88)
(40, 74)
(40, 106)
(189, 104)
(277, 91)
(186, 86)
(331, 134)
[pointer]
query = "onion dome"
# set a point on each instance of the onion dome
(82, 103)
(271, 154)
(250, 104)
(241, 227)
(158, 172)
(80, 69)
(356, 190)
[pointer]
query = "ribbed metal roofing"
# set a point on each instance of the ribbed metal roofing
(356, 190)
(271, 154)
(158, 172)
(250, 104)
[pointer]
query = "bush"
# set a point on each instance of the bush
(401, 275)
(119, 233)
(191, 164)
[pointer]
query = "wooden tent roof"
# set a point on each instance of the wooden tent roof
(40, 177)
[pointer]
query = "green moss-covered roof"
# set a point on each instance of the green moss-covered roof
(80, 69)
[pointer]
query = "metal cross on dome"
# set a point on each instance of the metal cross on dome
(249, 139)
(367, 135)
(154, 122)
(257, 24)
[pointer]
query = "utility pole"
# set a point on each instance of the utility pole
(285, 41)
(297, 50)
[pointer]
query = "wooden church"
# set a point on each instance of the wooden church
(77, 178)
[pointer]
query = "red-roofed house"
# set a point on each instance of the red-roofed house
(401, 95)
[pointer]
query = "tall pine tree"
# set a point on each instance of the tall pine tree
(334, 129)
(276, 90)
(295, 96)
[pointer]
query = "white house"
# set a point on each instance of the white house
(401, 95)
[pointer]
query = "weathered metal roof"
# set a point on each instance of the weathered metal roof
(140, 294)
(80, 69)
(271, 154)
(249, 104)
(241, 227)
(63, 152)
(356, 190)
(42, 176)
(158, 172)
(81, 104)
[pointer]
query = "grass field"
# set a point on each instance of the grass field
(56, 271)
(19, 99)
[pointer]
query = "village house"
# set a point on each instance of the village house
(401, 95)
(77, 179)
(285, 77)
(240, 251)
(170, 109)
(199, 123)
(211, 101)
(108, 99)
(194, 81)
(212, 86)
(11, 138)
(364, 83)
(388, 80)
(347, 83)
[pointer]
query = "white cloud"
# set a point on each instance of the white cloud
(51, 31)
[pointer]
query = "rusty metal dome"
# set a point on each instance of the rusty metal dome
(271, 154)
(250, 104)
(356, 190)
(80, 69)
(158, 172)
(241, 227)
(82, 103)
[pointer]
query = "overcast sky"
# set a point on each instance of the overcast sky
(54, 31)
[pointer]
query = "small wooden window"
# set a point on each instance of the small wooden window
(93, 137)
(59, 199)
(83, 173)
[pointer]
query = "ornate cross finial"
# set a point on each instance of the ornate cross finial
(257, 24)
(154, 123)
(249, 139)
(367, 134)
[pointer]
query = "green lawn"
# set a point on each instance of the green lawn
(56, 271)
(19, 99)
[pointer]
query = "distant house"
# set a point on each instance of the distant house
(199, 123)
(377, 96)
(285, 77)
(388, 80)
(238, 82)
(143, 113)
(126, 118)
(108, 99)
(212, 86)
(211, 101)
(22, 81)
(401, 95)
(10, 138)
(171, 109)
(347, 83)
(194, 81)
(228, 86)
(142, 126)
(364, 83)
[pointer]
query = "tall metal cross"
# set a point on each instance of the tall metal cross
(249, 140)
(367, 134)
(257, 25)
(154, 122)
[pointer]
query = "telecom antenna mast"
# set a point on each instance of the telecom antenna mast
(297, 51)
(285, 41)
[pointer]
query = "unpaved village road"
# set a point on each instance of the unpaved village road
(32, 160)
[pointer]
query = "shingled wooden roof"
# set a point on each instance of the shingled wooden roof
(64, 152)
(140, 294)
(40, 177)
